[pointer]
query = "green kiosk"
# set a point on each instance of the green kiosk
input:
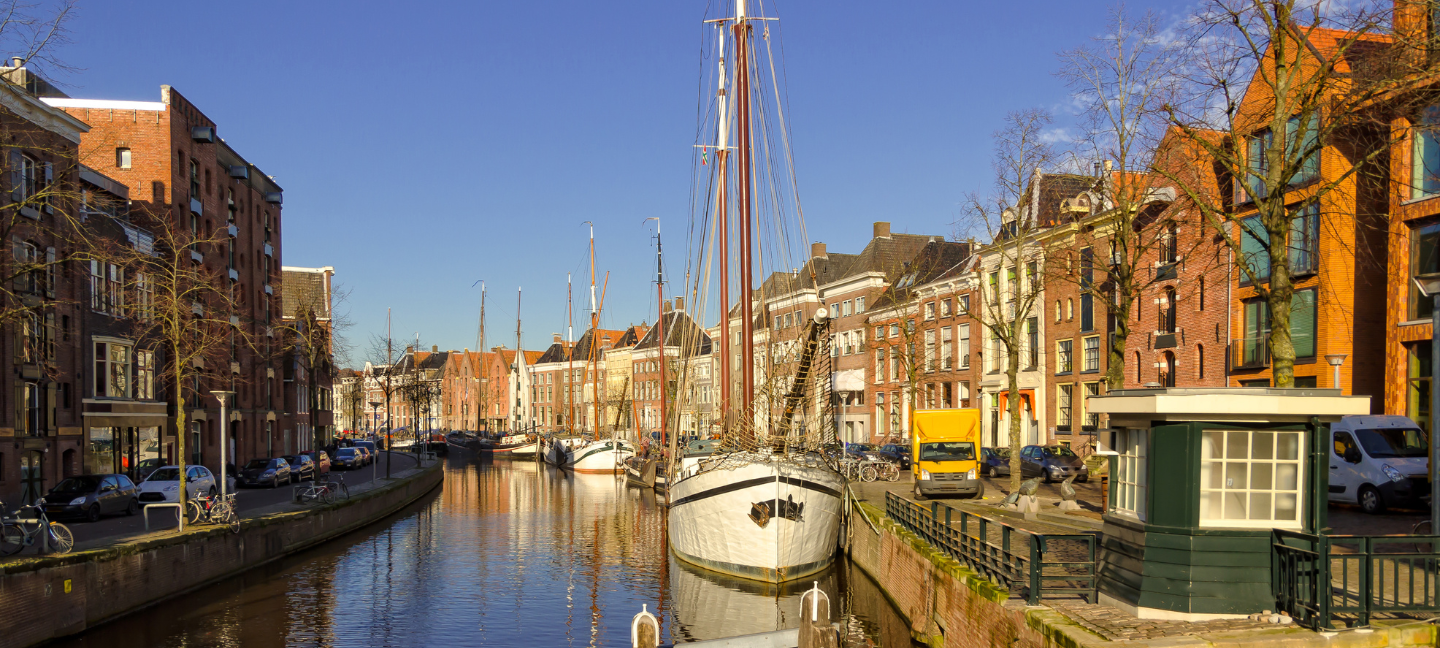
(1199, 478)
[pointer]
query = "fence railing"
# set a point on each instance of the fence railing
(1043, 565)
(1319, 579)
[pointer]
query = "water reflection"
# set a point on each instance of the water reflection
(506, 554)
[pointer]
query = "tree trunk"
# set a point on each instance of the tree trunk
(179, 425)
(1282, 347)
(1012, 379)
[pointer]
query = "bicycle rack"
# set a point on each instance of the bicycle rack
(179, 513)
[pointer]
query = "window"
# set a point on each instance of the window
(1063, 357)
(929, 350)
(1169, 244)
(964, 303)
(144, 297)
(29, 279)
(1425, 155)
(947, 349)
(894, 365)
(1130, 477)
(112, 370)
(962, 389)
(1250, 478)
(1058, 313)
(1032, 343)
(1090, 361)
(1424, 259)
(880, 332)
(1063, 403)
(1166, 317)
(1167, 369)
(1297, 144)
(1069, 309)
(30, 411)
(929, 311)
(1201, 294)
(1090, 420)
(1418, 377)
(1304, 245)
(1255, 346)
(945, 307)
(1200, 361)
(879, 366)
(194, 183)
(1302, 323)
(145, 375)
(1087, 283)
(859, 304)
(894, 329)
(122, 157)
(964, 346)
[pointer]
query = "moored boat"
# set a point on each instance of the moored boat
(602, 457)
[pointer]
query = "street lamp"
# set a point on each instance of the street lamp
(1429, 285)
(1335, 360)
(224, 397)
(375, 415)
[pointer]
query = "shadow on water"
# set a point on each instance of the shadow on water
(508, 553)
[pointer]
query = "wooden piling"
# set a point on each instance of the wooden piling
(644, 630)
(817, 630)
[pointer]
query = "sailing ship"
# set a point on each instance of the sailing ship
(766, 504)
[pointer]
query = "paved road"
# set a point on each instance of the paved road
(89, 535)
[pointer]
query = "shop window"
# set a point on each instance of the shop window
(1250, 478)
(1131, 446)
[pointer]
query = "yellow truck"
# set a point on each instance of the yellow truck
(944, 447)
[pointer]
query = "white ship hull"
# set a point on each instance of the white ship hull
(561, 452)
(601, 457)
(766, 519)
(524, 451)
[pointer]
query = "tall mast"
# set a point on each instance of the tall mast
(569, 361)
(742, 167)
(660, 323)
(594, 335)
(480, 349)
(519, 355)
(722, 153)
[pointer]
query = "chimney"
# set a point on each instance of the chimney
(1109, 166)
(679, 303)
(665, 307)
(556, 336)
(817, 251)
(882, 229)
(434, 348)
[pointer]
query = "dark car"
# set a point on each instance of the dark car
(371, 450)
(264, 472)
(321, 459)
(896, 453)
(1054, 463)
(302, 467)
(348, 458)
(995, 462)
(91, 496)
(861, 451)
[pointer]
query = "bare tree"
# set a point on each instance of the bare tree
(1010, 217)
(1282, 80)
(313, 336)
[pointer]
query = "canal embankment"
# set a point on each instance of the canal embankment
(947, 603)
(52, 596)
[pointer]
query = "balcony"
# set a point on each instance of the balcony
(269, 250)
(197, 207)
(203, 134)
(274, 198)
(269, 290)
(234, 275)
(240, 172)
(1250, 353)
(196, 256)
(232, 230)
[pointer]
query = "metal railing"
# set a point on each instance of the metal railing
(1045, 565)
(1249, 353)
(1319, 579)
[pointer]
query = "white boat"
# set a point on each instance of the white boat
(764, 505)
(606, 456)
(561, 451)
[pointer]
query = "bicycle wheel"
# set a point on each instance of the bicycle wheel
(867, 473)
(61, 541)
(12, 539)
(232, 519)
(1423, 528)
(192, 512)
(892, 473)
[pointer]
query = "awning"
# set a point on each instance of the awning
(1027, 397)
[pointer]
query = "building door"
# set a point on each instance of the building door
(32, 476)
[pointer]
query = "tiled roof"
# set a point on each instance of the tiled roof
(680, 331)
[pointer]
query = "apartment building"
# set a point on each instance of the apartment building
(619, 404)
(308, 356)
(686, 354)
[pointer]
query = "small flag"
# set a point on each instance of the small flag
(704, 154)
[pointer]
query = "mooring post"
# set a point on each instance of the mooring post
(816, 629)
(644, 630)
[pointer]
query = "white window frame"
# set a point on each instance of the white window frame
(964, 346)
(1132, 448)
(105, 367)
(1232, 484)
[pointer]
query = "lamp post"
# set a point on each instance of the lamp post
(224, 397)
(1429, 285)
(1336, 360)
(375, 417)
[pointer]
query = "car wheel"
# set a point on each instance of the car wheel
(979, 491)
(918, 497)
(1370, 500)
(994, 472)
(133, 508)
(274, 482)
(92, 514)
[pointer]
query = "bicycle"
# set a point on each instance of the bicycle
(219, 509)
(14, 537)
(315, 491)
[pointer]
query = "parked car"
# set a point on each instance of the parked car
(995, 462)
(896, 453)
(1053, 463)
(321, 459)
(348, 458)
(1378, 462)
(163, 485)
(302, 467)
(367, 456)
(91, 496)
(861, 451)
(372, 451)
(144, 468)
(264, 471)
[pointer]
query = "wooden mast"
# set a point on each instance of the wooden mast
(660, 325)
(594, 333)
(569, 360)
(480, 381)
(722, 154)
(742, 168)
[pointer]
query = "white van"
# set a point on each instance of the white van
(1378, 461)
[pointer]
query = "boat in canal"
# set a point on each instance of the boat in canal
(766, 503)
(515, 445)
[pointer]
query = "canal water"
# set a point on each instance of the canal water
(506, 554)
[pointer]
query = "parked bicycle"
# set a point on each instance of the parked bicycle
(324, 490)
(218, 509)
(869, 470)
(17, 532)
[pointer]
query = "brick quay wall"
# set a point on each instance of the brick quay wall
(48, 597)
(947, 605)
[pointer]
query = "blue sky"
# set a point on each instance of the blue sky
(424, 146)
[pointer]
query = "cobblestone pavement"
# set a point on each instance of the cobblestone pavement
(1115, 625)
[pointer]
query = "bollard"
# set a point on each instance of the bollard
(644, 630)
(816, 629)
